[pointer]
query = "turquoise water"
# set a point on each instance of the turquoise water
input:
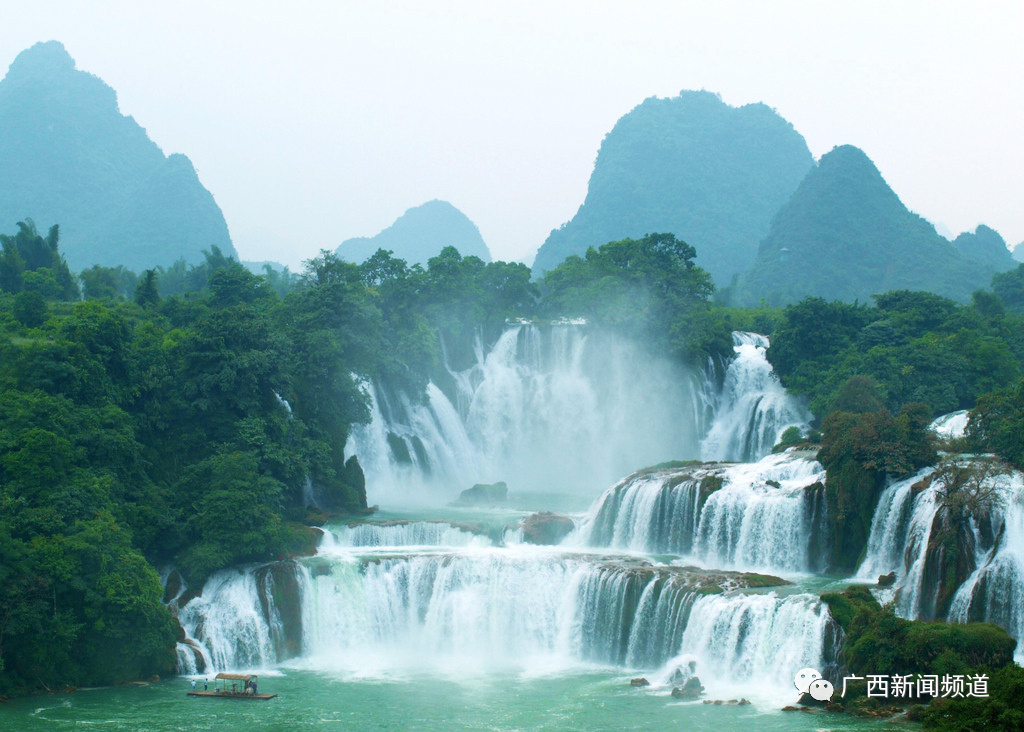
(399, 689)
(596, 701)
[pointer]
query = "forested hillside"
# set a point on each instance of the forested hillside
(197, 417)
(197, 430)
(845, 235)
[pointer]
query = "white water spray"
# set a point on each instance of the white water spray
(765, 516)
(546, 409)
(753, 408)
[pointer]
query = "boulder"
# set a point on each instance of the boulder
(887, 580)
(692, 689)
(483, 494)
(546, 528)
(639, 681)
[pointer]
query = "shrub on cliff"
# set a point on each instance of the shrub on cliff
(880, 642)
(877, 642)
(860, 452)
(997, 424)
(1001, 711)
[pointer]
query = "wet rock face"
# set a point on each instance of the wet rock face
(279, 593)
(174, 586)
(690, 690)
(197, 654)
(546, 528)
(483, 494)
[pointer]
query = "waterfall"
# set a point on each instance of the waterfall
(563, 408)
(901, 541)
(558, 408)
(186, 659)
(743, 642)
(995, 590)
(406, 534)
(890, 526)
(226, 619)
(753, 408)
(767, 515)
(487, 608)
(481, 609)
(951, 425)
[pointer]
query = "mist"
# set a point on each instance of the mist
(547, 409)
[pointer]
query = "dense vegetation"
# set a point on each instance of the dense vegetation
(649, 288)
(908, 347)
(197, 415)
(879, 642)
(912, 354)
(997, 424)
(861, 453)
(712, 174)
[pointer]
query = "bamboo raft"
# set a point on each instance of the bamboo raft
(231, 695)
(222, 691)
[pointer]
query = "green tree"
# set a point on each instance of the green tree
(30, 309)
(1009, 288)
(31, 261)
(997, 424)
(648, 287)
(147, 292)
(108, 283)
(860, 453)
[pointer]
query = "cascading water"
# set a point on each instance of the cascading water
(486, 609)
(767, 515)
(404, 534)
(563, 408)
(753, 408)
(744, 641)
(950, 425)
(558, 408)
(905, 540)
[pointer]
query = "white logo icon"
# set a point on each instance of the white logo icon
(804, 678)
(821, 689)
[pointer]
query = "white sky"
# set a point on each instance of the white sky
(329, 119)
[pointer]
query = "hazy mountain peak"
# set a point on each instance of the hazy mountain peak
(844, 234)
(692, 165)
(421, 233)
(45, 57)
(985, 245)
(85, 166)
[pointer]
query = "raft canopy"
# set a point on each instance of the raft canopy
(236, 677)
